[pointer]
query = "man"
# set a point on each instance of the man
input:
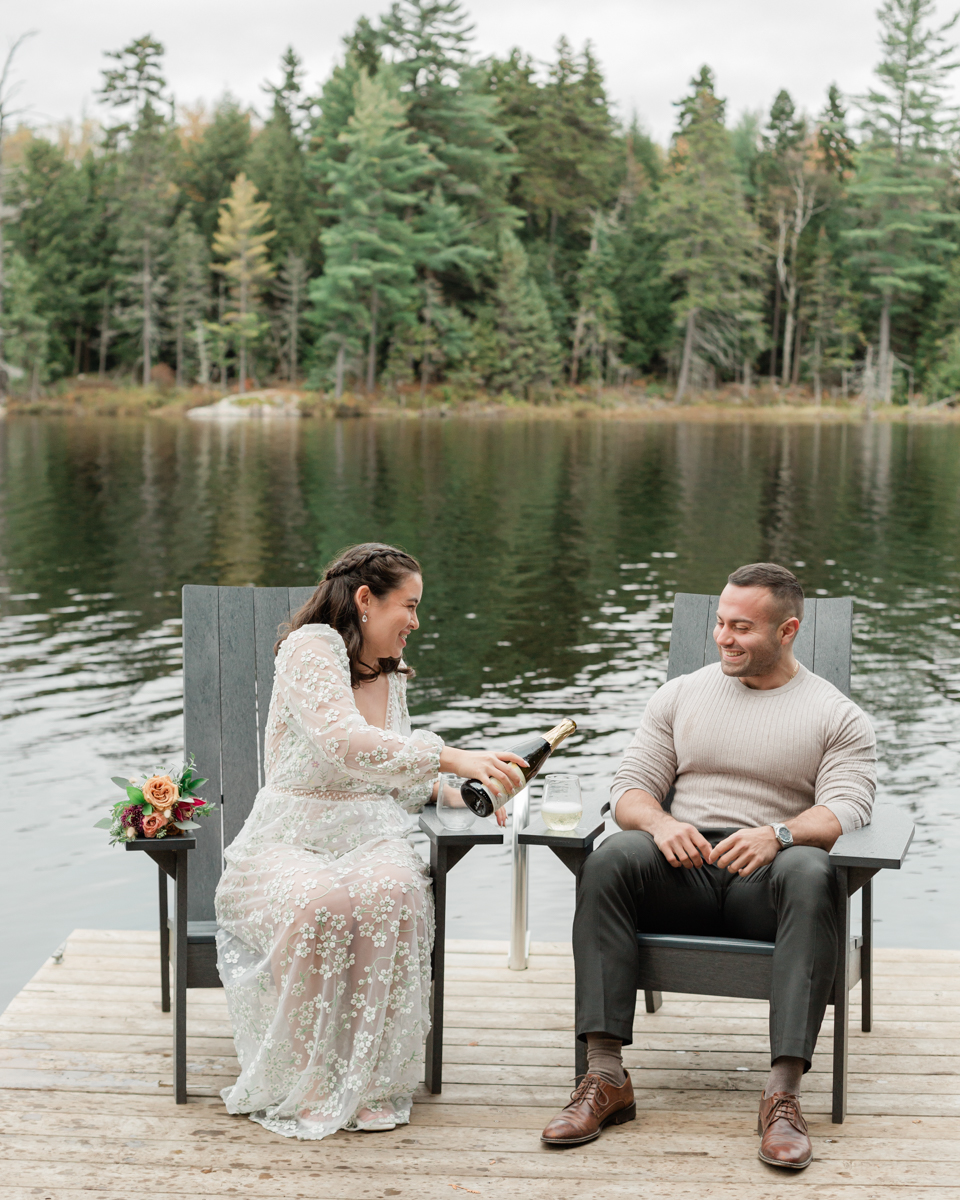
(770, 764)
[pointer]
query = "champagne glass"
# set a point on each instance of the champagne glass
(562, 805)
(452, 813)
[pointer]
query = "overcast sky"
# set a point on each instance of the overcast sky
(649, 48)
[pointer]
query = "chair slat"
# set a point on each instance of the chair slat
(688, 636)
(299, 596)
(804, 647)
(271, 608)
(834, 641)
(201, 736)
(238, 708)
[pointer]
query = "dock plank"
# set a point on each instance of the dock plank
(86, 1108)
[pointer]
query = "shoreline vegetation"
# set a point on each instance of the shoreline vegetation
(424, 227)
(764, 404)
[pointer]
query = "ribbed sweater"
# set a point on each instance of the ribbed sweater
(741, 757)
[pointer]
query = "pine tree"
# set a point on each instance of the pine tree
(448, 103)
(210, 159)
(142, 142)
(904, 232)
(241, 241)
(521, 350)
(830, 318)
(372, 250)
(189, 287)
(26, 334)
(277, 166)
(290, 291)
(596, 335)
(713, 246)
(836, 144)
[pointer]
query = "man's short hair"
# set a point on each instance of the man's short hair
(782, 584)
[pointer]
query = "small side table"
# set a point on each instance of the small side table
(171, 856)
(447, 847)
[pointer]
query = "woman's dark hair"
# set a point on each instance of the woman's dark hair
(382, 568)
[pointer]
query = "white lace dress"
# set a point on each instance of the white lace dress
(324, 910)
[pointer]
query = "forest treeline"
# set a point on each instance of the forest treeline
(432, 218)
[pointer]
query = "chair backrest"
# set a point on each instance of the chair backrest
(823, 645)
(228, 637)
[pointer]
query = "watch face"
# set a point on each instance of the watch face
(784, 836)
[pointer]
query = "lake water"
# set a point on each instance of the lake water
(551, 554)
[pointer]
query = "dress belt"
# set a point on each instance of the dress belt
(327, 793)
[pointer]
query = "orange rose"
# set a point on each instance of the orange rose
(153, 824)
(161, 792)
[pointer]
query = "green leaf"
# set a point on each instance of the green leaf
(136, 796)
(104, 823)
(147, 810)
(120, 781)
(185, 824)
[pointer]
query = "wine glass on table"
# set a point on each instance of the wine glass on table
(562, 805)
(452, 813)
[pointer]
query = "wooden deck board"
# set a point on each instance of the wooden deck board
(86, 1106)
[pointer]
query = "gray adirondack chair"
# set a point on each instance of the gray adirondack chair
(228, 670)
(715, 966)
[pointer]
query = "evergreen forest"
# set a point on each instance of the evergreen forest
(428, 220)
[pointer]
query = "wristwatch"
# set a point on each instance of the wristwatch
(783, 836)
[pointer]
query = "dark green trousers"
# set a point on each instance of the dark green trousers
(627, 885)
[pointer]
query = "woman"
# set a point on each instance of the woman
(324, 910)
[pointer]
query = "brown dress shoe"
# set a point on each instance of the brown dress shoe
(784, 1140)
(594, 1104)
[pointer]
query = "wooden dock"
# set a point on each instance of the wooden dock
(87, 1110)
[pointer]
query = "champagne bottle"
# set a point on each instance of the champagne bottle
(535, 751)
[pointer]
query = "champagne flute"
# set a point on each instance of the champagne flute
(562, 805)
(452, 813)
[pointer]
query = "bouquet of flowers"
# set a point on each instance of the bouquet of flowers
(156, 806)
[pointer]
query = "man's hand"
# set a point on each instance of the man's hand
(746, 850)
(681, 845)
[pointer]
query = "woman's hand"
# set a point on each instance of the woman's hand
(496, 769)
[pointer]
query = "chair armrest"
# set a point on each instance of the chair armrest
(882, 843)
(481, 833)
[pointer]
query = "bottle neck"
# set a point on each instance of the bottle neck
(559, 733)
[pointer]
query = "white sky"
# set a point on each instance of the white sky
(648, 48)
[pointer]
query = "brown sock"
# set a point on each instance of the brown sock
(605, 1058)
(785, 1076)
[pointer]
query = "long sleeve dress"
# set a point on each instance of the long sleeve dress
(324, 911)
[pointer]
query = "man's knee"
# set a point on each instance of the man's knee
(806, 873)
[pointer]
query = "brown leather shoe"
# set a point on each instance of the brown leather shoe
(595, 1104)
(784, 1140)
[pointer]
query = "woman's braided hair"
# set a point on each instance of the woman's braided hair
(382, 568)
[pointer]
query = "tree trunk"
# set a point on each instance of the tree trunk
(883, 366)
(242, 380)
(104, 334)
(202, 354)
(372, 351)
(147, 304)
(338, 385)
(798, 341)
(687, 356)
(179, 343)
(3, 373)
(77, 348)
(221, 307)
(746, 378)
(294, 314)
(817, 384)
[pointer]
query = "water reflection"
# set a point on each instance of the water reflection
(551, 553)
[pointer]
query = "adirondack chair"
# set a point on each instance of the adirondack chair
(738, 967)
(228, 669)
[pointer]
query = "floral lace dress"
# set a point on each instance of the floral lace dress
(324, 910)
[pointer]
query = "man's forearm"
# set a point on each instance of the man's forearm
(637, 809)
(818, 826)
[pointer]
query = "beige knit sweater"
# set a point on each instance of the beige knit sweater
(741, 757)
